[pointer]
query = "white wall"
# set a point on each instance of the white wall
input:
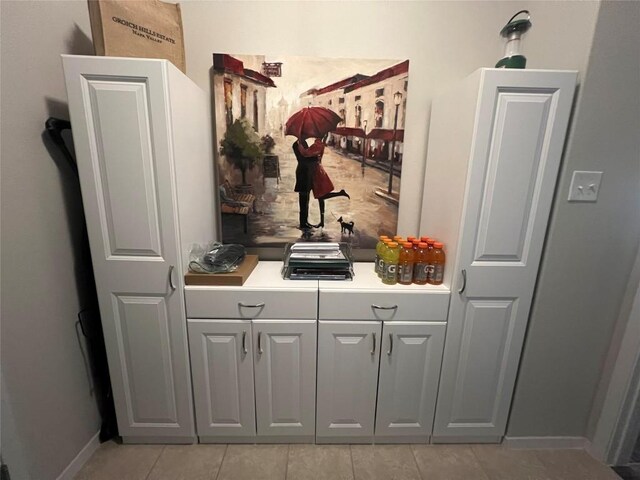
(48, 412)
(444, 41)
(591, 247)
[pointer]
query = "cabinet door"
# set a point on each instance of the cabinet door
(120, 124)
(348, 358)
(520, 130)
(285, 377)
(222, 370)
(409, 372)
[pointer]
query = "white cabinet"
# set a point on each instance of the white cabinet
(253, 356)
(495, 144)
(348, 358)
(411, 353)
(379, 354)
(142, 138)
(285, 377)
(222, 368)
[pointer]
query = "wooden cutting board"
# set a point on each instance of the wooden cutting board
(232, 279)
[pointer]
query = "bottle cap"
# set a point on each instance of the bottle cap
(407, 245)
(431, 241)
(424, 239)
(393, 244)
(415, 241)
(438, 244)
(422, 245)
(411, 238)
(382, 237)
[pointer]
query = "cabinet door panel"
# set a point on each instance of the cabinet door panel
(409, 372)
(122, 137)
(222, 377)
(348, 358)
(521, 123)
(285, 376)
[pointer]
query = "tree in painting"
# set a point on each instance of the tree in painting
(241, 146)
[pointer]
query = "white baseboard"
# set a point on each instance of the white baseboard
(83, 456)
(546, 442)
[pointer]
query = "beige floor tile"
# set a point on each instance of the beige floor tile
(574, 465)
(448, 462)
(319, 462)
(122, 462)
(501, 463)
(188, 462)
(253, 462)
(384, 462)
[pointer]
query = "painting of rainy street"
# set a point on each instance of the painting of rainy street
(308, 149)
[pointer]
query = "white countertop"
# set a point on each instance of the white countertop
(267, 275)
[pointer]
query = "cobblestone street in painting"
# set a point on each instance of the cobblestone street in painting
(276, 219)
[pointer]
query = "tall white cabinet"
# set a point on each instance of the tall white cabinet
(495, 144)
(142, 136)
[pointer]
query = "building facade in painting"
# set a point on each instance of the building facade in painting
(244, 92)
(367, 105)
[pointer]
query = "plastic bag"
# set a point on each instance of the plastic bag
(216, 258)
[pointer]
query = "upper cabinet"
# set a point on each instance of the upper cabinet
(142, 136)
(495, 144)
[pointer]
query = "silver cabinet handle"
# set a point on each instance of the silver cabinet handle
(390, 344)
(244, 342)
(246, 305)
(464, 282)
(260, 351)
(373, 350)
(380, 307)
(171, 268)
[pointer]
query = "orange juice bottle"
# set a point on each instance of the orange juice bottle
(436, 267)
(405, 264)
(391, 255)
(420, 265)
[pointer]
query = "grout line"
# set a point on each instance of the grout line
(226, 447)
(353, 468)
(286, 466)
(416, 461)
(487, 475)
(154, 463)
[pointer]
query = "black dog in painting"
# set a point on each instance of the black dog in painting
(345, 226)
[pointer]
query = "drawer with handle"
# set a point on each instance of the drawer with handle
(205, 302)
(382, 305)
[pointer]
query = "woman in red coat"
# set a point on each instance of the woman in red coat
(322, 185)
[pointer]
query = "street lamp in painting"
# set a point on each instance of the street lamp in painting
(364, 143)
(397, 100)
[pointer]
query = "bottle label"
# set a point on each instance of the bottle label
(438, 273)
(430, 271)
(420, 272)
(391, 272)
(377, 264)
(383, 269)
(405, 272)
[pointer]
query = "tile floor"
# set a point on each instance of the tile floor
(338, 462)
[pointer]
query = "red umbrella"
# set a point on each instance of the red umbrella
(313, 122)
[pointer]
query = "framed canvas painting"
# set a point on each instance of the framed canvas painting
(308, 149)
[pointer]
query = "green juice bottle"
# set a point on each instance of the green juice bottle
(390, 257)
(379, 249)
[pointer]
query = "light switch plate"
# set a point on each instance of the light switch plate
(584, 186)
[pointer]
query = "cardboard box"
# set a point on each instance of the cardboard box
(140, 28)
(232, 279)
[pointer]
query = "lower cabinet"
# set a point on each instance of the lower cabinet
(410, 361)
(348, 358)
(398, 361)
(240, 364)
